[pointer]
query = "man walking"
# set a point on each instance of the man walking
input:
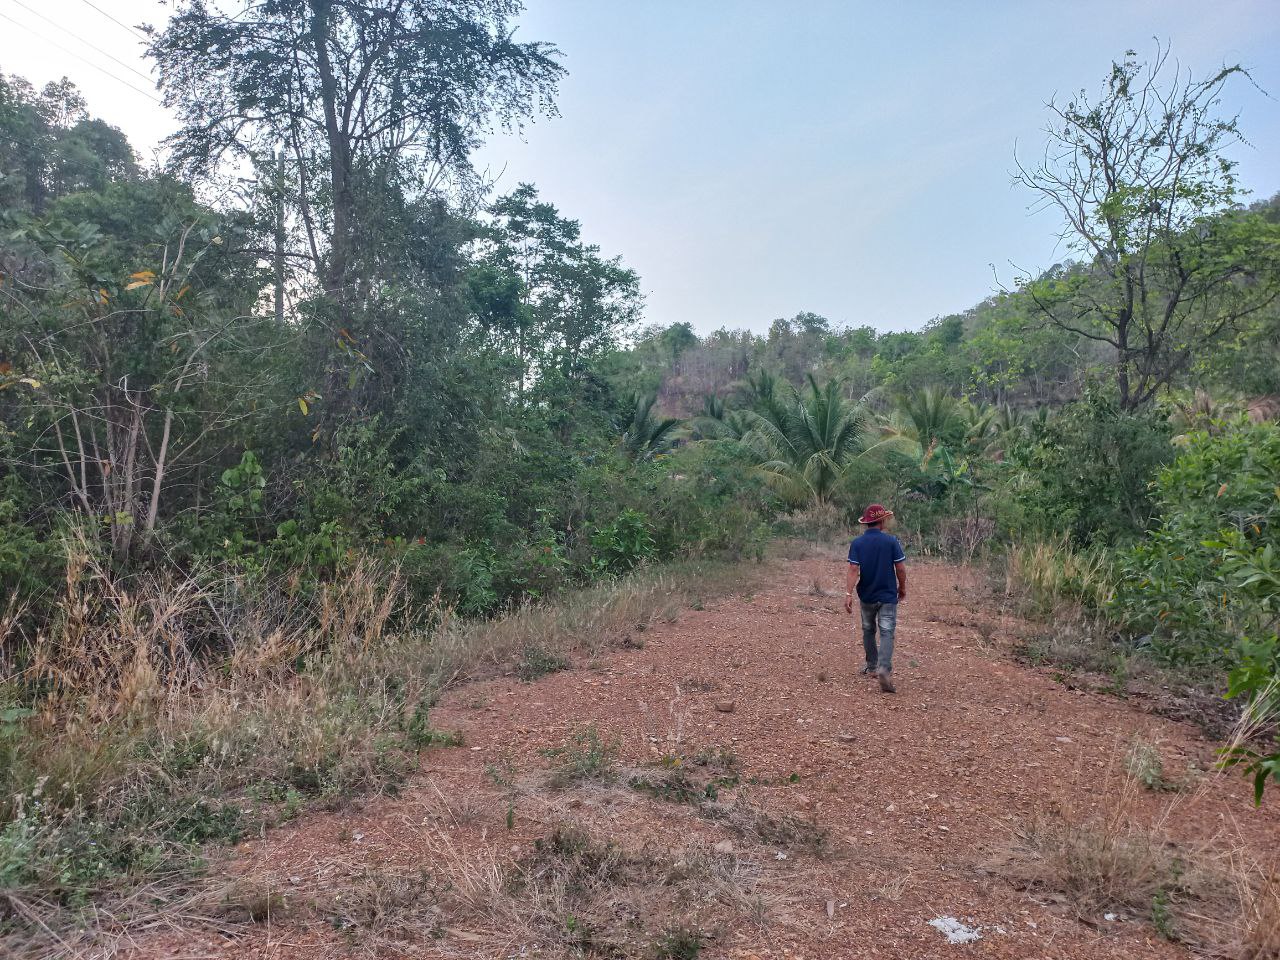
(878, 571)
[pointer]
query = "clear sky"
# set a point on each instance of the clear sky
(754, 159)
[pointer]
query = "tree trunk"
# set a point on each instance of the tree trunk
(335, 282)
(279, 238)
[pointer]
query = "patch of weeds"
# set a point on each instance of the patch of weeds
(1162, 916)
(704, 684)
(421, 734)
(387, 904)
(1101, 864)
(586, 757)
(537, 661)
(783, 830)
(717, 758)
(201, 821)
(502, 773)
(254, 902)
(1142, 762)
(696, 781)
(679, 943)
(671, 785)
(284, 801)
(575, 861)
(1118, 679)
(182, 758)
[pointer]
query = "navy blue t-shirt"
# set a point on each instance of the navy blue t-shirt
(875, 552)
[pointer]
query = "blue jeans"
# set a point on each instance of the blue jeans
(884, 616)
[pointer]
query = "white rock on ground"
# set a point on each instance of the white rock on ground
(955, 931)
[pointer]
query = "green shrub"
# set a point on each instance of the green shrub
(1173, 584)
(1085, 473)
(586, 757)
(623, 543)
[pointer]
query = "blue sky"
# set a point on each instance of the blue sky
(755, 159)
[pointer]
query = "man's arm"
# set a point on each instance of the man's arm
(900, 569)
(855, 572)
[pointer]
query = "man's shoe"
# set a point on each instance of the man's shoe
(886, 683)
(868, 671)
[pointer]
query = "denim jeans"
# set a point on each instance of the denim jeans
(884, 616)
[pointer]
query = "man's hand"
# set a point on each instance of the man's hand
(902, 596)
(848, 604)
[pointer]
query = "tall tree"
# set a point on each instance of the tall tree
(1142, 179)
(50, 147)
(371, 98)
(572, 303)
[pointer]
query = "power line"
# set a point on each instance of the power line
(75, 36)
(118, 23)
(72, 53)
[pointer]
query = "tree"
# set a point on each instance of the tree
(644, 435)
(1149, 198)
(804, 447)
(571, 304)
(131, 360)
(50, 147)
(373, 99)
(933, 417)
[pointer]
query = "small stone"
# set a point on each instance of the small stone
(724, 846)
(846, 738)
(725, 706)
(575, 803)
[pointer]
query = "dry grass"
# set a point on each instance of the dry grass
(1053, 575)
(1104, 864)
(1258, 936)
(540, 638)
(1212, 895)
(577, 891)
(174, 713)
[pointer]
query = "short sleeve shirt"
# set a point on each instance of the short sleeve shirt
(875, 553)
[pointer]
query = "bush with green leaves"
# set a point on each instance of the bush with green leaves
(1086, 473)
(1254, 572)
(1174, 586)
(623, 543)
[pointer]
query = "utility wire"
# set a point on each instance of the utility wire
(72, 53)
(134, 30)
(76, 36)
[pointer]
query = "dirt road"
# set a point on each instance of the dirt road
(840, 820)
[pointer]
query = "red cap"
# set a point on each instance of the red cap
(874, 514)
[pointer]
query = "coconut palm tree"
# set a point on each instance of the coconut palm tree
(933, 417)
(644, 436)
(719, 422)
(805, 445)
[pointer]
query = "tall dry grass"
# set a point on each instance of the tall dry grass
(156, 714)
(1052, 575)
(1118, 849)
